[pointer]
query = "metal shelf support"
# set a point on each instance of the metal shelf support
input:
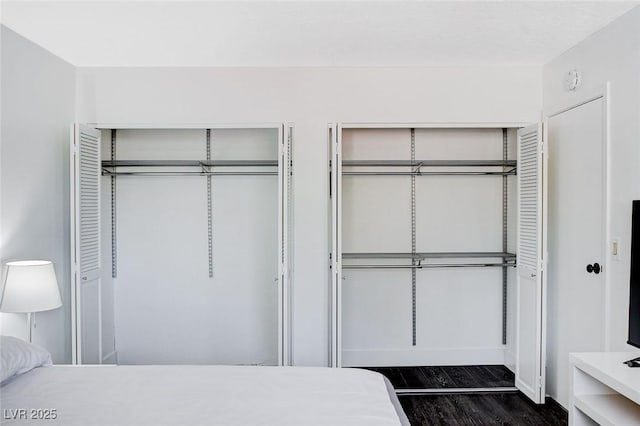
(114, 234)
(414, 262)
(505, 218)
(209, 208)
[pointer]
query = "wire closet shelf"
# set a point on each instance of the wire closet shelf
(189, 168)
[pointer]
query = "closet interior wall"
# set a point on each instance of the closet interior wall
(166, 298)
(442, 315)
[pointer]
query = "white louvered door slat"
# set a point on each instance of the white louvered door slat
(530, 345)
(85, 244)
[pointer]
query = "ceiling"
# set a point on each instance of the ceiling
(299, 33)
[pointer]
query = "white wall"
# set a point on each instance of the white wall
(458, 311)
(612, 54)
(311, 98)
(165, 300)
(38, 104)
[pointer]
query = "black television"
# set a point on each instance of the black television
(634, 283)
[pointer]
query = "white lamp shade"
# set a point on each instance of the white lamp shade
(31, 286)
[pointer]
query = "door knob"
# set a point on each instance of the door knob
(595, 268)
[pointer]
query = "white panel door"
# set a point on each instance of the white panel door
(531, 304)
(577, 240)
(85, 245)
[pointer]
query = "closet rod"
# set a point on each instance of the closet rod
(201, 173)
(429, 163)
(419, 173)
(427, 255)
(190, 163)
(430, 266)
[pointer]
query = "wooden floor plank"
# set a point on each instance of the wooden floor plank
(499, 374)
(432, 377)
(413, 377)
(463, 377)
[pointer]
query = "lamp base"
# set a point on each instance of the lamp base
(30, 327)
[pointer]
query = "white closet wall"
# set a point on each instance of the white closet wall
(459, 311)
(166, 307)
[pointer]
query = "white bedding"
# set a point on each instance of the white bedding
(201, 395)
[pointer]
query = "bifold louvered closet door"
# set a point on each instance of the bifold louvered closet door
(85, 245)
(530, 344)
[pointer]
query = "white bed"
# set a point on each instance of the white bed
(202, 395)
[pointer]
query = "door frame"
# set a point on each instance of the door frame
(285, 147)
(573, 101)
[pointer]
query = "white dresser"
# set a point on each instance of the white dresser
(603, 389)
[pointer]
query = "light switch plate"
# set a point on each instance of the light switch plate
(615, 248)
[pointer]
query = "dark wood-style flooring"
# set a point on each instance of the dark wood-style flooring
(504, 408)
(481, 409)
(468, 376)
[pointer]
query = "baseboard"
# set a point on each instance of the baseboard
(110, 358)
(420, 356)
(510, 360)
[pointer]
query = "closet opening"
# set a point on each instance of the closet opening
(425, 284)
(192, 220)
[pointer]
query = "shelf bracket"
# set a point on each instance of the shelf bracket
(418, 167)
(204, 169)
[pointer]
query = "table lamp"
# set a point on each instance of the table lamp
(30, 286)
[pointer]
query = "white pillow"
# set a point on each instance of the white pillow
(18, 357)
